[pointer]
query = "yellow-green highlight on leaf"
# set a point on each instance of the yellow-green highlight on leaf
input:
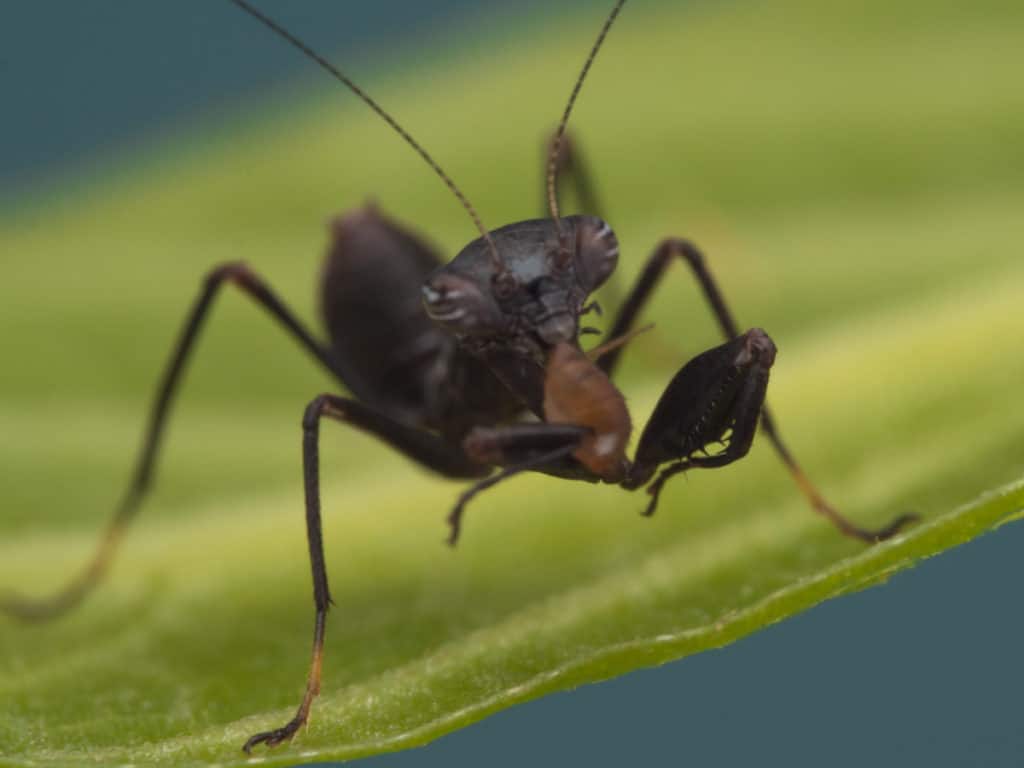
(852, 173)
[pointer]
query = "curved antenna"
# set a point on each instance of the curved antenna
(556, 145)
(499, 263)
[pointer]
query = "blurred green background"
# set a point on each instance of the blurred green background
(850, 169)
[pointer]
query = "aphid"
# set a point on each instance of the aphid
(473, 369)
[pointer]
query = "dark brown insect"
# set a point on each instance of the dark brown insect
(473, 369)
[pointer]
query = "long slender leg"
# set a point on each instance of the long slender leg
(675, 247)
(237, 274)
(572, 165)
(422, 447)
(521, 448)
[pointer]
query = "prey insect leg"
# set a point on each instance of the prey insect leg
(657, 264)
(519, 448)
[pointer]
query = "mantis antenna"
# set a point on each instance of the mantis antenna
(499, 263)
(556, 145)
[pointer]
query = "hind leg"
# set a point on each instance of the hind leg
(251, 285)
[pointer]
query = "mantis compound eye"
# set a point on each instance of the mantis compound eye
(461, 306)
(597, 252)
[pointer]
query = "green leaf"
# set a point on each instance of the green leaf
(853, 189)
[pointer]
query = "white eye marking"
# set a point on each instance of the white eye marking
(430, 295)
(455, 314)
(613, 251)
(605, 230)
